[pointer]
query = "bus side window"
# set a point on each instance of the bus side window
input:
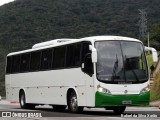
(35, 61)
(15, 64)
(25, 59)
(77, 51)
(85, 50)
(46, 59)
(86, 59)
(59, 57)
(9, 61)
(70, 56)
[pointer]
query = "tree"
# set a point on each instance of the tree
(155, 36)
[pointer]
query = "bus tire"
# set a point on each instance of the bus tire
(73, 103)
(119, 109)
(58, 107)
(22, 101)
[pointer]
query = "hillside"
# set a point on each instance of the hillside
(30, 21)
(26, 22)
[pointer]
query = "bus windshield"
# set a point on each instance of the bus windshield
(121, 62)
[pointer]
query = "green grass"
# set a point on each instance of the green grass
(150, 60)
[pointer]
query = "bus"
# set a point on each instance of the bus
(108, 72)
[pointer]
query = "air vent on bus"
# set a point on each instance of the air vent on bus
(51, 42)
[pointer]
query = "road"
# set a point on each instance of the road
(46, 113)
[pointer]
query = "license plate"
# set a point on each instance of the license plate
(127, 102)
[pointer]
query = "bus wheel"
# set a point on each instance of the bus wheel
(58, 107)
(119, 109)
(73, 103)
(22, 101)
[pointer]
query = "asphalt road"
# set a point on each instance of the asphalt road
(46, 113)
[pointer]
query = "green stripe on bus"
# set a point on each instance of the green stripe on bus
(103, 99)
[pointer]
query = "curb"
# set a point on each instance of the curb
(5, 102)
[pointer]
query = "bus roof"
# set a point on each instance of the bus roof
(59, 42)
(99, 38)
(51, 42)
(48, 44)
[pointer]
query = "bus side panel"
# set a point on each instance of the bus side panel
(72, 78)
(44, 95)
(40, 87)
(90, 92)
(8, 87)
(12, 93)
(50, 87)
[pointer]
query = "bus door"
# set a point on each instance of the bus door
(87, 68)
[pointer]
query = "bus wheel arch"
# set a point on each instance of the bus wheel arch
(72, 101)
(68, 94)
(22, 100)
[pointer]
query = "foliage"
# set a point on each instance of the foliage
(2, 89)
(27, 22)
(154, 36)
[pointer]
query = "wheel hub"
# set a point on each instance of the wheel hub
(74, 102)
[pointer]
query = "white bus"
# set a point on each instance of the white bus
(100, 71)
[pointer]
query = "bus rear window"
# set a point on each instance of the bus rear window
(9, 63)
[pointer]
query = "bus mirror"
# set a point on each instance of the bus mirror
(94, 53)
(154, 53)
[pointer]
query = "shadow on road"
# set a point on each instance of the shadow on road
(66, 113)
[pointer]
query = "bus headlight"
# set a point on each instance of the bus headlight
(104, 90)
(146, 89)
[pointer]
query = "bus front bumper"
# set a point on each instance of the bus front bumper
(103, 99)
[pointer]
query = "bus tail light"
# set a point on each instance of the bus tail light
(103, 90)
(146, 89)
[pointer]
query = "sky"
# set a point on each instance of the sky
(5, 1)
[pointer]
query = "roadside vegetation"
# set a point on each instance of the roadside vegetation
(150, 60)
(155, 89)
(2, 89)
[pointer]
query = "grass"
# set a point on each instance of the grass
(150, 60)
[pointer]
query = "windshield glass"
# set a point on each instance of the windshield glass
(121, 62)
